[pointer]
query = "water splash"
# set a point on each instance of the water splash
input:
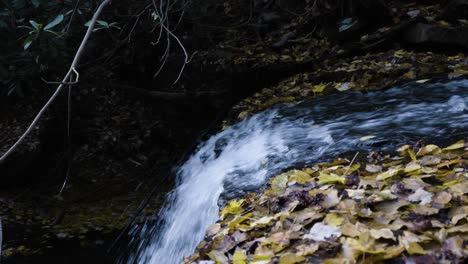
(241, 158)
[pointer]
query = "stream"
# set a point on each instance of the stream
(241, 158)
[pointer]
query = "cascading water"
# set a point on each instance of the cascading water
(241, 158)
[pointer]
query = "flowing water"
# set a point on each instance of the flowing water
(241, 158)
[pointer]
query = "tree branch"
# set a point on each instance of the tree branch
(70, 74)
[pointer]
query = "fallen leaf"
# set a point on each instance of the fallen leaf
(442, 198)
(326, 178)
(239, 257)
(373, 168)
(429, 149)
(421, 196)
(306, 250)
(412, 166)
(234, 207)
(344, 86)
(382, 233)
(319, 88)
(415, 248)
(218, 256)
(321, 232)
(458, 145)
(333, 219)
(423, 81)
(389, 173)
(290, 258)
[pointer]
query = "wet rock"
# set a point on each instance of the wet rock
(283, 40)
(422, 33)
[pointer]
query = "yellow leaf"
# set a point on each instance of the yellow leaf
(429, 149)
(290, 258)
(319, 88)
(234, 207)
(415, 248)
(234, 224)
(263, 253)
(21, 248)
(443, 23)
(333, 219)
(411, 154)
(392, 252)
(218, 256)
(400, 53)
(349, 170)
(458, 72)
(355, 230)
(460, 144)
(337, 260)
(412, 166)
(326, 178)
(450, 162)
(363, 246)
(262, 221)
(384, 195)
(403, 148)
(459, 56)
(279, 182)
(300, 177)
(389, 173)
(409, 75)
(239, 257)
(382, 233)
(458, 229)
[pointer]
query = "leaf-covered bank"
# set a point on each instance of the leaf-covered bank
(374, 209)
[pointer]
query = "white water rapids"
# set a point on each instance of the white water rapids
(241, 158)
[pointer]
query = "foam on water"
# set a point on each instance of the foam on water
(241, 158)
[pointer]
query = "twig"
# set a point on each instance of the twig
(71, 17)
(347, 169)
(69, 153)
(129, 37)
(164, 25)
(187, 58)
(66, 79)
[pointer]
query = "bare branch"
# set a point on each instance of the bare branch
(65, 80)
(164, 26)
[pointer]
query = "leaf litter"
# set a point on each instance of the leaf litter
(410, 208)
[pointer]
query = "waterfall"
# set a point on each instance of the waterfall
(241, 158)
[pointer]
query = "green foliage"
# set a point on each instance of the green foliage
(100, 24)
(41, 37)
